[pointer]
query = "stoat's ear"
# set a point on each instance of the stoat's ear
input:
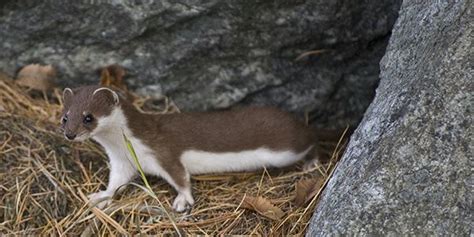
(67, 96)
(108, 90)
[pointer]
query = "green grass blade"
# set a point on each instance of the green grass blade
(132, 152)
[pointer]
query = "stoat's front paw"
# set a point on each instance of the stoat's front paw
(181, 203)
(100, 199)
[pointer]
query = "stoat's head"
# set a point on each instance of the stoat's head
(83, 107)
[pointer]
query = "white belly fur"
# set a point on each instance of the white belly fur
(199, 162)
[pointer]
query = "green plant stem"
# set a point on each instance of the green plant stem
(132, 152)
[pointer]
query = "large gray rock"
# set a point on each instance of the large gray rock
(212, 54)
(408, 168)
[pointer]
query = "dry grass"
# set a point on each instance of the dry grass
(44, 181)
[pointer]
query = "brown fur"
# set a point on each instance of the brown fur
(169, 135)
(224, 131)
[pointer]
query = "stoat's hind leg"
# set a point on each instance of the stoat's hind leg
(312, 159)
(184, 200)
(177, 176)
(311, 164)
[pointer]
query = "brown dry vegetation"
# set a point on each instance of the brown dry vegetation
(44, 181)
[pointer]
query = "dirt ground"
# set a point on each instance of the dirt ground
(44, 180)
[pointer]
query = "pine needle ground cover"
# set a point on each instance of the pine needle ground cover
(44, 181)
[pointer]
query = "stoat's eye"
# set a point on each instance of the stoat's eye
(64, 120)
(88, 119)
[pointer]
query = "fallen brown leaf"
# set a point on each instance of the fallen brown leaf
(35, 76)
(306, 189)
(263, 207)
(112, 75)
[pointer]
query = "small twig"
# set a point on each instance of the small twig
(102, 216)
(312, 52)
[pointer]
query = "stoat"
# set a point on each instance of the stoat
(175, 146)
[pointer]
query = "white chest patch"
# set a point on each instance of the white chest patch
(199, 162)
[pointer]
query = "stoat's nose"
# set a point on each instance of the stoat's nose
(70, 136)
